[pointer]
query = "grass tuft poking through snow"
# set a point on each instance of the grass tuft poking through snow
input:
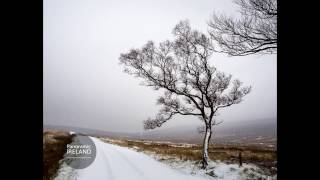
(66, 172)
(216, 169)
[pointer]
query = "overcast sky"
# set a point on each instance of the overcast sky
(84, 85)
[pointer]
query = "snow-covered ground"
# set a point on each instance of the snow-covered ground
(119, 163)
(216, 170)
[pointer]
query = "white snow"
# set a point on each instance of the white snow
(119, 163)
(222, 171)
(66, 172)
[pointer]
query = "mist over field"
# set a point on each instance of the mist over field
(84, 85)
(258, 132)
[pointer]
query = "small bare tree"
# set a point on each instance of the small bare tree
(192, 87)
(254, 32)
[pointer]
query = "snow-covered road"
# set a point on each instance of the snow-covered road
(119, 163)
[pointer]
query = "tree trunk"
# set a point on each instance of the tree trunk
(205, 154)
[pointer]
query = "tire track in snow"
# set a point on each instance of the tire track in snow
(100, 169)
(133, 166)
(108, 151)
(109, 172)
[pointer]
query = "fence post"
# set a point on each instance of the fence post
(240, 159)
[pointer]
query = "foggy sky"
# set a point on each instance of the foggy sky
(84, 85)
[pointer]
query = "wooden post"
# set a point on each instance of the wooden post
(240, 159)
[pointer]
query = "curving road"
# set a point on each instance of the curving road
(119, 163)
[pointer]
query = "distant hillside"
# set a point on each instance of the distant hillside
(87, 131)
(250, 132)
(246, 131)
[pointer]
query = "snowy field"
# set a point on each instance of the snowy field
(119, 163)
(216, 170)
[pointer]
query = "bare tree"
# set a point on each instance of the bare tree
(254, 32)
(192, 87)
